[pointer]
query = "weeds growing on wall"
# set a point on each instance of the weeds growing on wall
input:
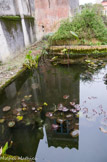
(87, 25)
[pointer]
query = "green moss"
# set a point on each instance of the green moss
(10, 17)
(29, 17)
(10, 24)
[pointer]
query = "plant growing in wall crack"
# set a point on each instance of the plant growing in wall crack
(31, 61)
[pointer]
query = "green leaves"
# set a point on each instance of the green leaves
(31, 61)
(4, 149)
(74, 34)
(86, 25)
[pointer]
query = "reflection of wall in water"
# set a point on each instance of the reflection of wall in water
(61, 137)
(59, 82)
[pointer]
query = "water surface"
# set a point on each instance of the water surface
(34, 137)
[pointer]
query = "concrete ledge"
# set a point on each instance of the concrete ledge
(78, 48)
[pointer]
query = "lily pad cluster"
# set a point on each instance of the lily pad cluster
(95, 64)
(25, 114)
(65, 116)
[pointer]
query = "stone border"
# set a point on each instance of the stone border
(79, 49)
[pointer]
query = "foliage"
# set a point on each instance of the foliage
(87, 25)
(4, 149)
(31, 61)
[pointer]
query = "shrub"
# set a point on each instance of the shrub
(87, 25)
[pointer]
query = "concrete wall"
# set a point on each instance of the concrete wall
(17, 26)
(50, 12)
(104, 3)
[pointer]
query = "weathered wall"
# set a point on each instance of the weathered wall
(104, 3)
(50, 12)
(17, 26)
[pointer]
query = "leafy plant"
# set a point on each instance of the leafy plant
(31, 61)
(4, 149)
(86, 25)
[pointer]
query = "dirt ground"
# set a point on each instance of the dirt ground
(10, 69)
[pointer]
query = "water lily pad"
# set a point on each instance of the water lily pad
(24, 104)
(77, 115)
(24, 109)
(45, 104)
(65, 97)
(33, 108)
(27, 97)
(68, 116)
(77, 107)
(55, 126)
(11, 124)
(72, 103)
(60, 121)
(19, 118)
(73, 110)
(75, 133)
(19, 109)
(6, 108)
(60, 107)
(2, 121)
(103, 130)
(39, 108)
(64, 109)
(49, 114)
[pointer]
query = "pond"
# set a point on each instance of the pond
(56, 114)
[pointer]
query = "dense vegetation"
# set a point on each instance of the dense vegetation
(87, 25)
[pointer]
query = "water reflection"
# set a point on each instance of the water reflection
(34, 136)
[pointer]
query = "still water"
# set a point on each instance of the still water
(35, 93)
